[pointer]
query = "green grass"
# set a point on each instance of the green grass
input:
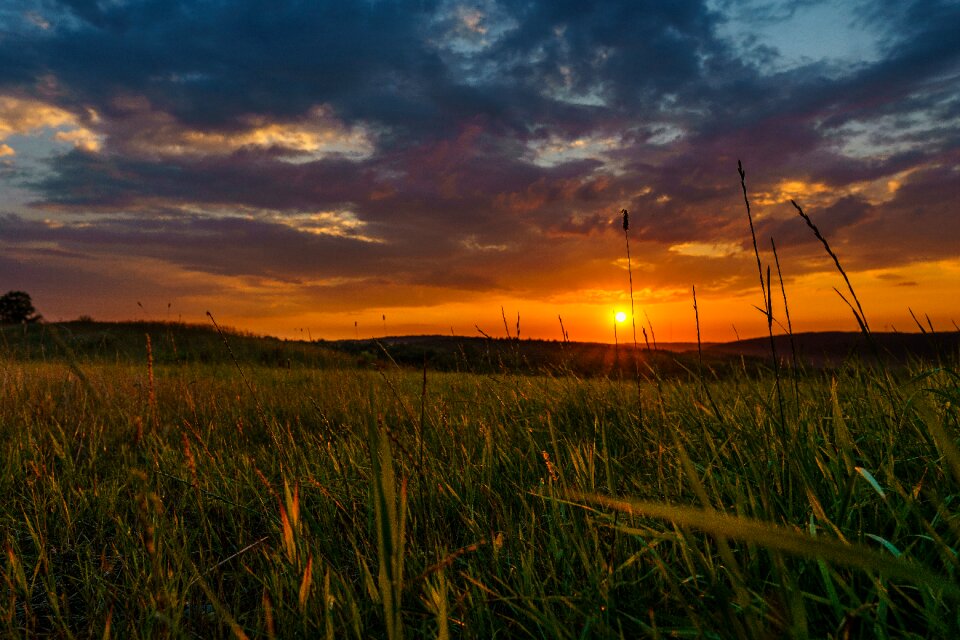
(317, 504)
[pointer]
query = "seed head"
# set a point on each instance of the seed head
(626, 219)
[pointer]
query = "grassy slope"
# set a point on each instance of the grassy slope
(171, 342)
(203, 502)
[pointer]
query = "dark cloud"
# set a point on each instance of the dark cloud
(632, 53)
(208, 63)
(916, 224)
(832, 221)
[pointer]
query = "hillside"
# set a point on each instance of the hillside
(186, 343)
(170, 342)
(831, 348)
(816, 350)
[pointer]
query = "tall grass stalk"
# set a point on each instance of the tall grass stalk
(775, 537)
(700, 369)
(776, 359)
(767, 303)
(633, 316)
(858, 312)
(236, 362)
(753, 234)
(151, 386)
(794, 362)
(616, 347)
(390, 510)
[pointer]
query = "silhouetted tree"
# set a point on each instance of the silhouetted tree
(16, 307)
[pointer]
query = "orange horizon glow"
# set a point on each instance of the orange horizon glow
(814, 306)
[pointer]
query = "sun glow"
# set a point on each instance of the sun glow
(620, 316)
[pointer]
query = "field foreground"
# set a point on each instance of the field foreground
(148, 499)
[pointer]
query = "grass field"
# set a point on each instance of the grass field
(305, 496)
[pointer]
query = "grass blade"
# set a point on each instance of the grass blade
(776, 537)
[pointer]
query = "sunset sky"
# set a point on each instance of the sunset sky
(305, 166)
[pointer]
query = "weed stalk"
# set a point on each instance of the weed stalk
(633, 315)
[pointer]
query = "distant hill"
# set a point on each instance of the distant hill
(173, 342)
(488, 355)
(815, 350)
(830, 348)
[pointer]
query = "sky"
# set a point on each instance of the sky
(369, 167)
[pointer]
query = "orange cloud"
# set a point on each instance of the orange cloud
(707, 249)
(315, 136)
(20, 117)
(340, 224)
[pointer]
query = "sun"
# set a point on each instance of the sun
(620, 316)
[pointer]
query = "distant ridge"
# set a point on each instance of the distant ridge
(829, 348)
(812, 345)
(815, 349)
(182, 343)
(674, 347)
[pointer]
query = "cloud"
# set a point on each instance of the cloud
(20, 116)
(706, 250)
(23, 116)
(316, 135)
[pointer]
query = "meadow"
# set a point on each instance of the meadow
(178, 486)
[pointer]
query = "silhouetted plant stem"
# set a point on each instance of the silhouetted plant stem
(696, 316)
(767, 299)
(563, 331)
(633, 318)
(151, 390)
(776, 359)
(616, 348)
(423, 407)
(653, 336)
(753, 235)
(703, 382)
(858, 312)
(793, 347)
(917, 322)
